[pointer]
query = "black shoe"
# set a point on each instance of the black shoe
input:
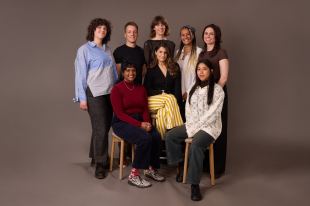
(195, 193)
(179, 176)
(100, 173)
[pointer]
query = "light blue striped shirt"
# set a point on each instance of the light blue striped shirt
(94, 68)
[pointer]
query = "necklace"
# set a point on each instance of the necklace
(130, 89)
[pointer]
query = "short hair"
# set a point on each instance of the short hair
(131, 23)
(156, 21)
(92, 27)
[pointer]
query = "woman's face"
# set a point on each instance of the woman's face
(161, 54)
(186, 37)
(160, 29)
(100, 32)
(203, 72)
(129, 74)
(209, 36)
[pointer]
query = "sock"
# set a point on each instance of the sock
(134, 172)
(151, 168)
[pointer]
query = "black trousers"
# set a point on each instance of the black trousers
(147, 143)
(220, 145)
(100, 113)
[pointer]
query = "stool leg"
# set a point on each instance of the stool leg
(185, 162)
(132, 152)
(121, 160)
(211, 160)
(112, 153)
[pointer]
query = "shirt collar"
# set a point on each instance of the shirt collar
(93, 44)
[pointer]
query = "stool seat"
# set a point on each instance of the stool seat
(119, 140)
(189, 141)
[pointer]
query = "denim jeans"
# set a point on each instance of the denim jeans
(200, 143)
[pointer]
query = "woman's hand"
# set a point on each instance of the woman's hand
(83, 105)
(184, 96)
(146, 126)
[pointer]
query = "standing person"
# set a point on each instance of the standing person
(187, 56)
(158, 35)
(130, 52)
(203, 125)
(131, 121)
(95, 75)
(218, 57)
(163, 84)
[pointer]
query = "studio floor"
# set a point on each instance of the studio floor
(55, 170)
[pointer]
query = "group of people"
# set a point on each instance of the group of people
(184, 89)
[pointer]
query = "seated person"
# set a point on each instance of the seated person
(131, 121)
(203, 124)
(163, 84)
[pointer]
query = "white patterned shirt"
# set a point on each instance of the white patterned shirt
(201, 116)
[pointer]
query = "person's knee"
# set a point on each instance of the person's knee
(171, 100)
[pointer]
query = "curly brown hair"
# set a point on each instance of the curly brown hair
(92, 27)
(157, 20)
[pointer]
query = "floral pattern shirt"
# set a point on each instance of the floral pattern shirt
(201, 116)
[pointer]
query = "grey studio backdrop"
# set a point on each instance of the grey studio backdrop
(45, 138)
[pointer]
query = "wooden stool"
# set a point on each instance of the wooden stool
(117, 139)
(188, 141)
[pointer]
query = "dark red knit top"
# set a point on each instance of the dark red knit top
(127, 99)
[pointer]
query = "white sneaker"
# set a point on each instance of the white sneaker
(153, 174)
(138, 182)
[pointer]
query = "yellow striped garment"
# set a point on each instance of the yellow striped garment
(167, 112)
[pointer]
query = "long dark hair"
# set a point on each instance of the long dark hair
(172, 67)
(193, 55)
(218, 40)
(92, 27)
(210, 81)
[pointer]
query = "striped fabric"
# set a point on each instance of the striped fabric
(167, 112)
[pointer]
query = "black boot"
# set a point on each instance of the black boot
(100, 173)
(195, 193)
(179, 177)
